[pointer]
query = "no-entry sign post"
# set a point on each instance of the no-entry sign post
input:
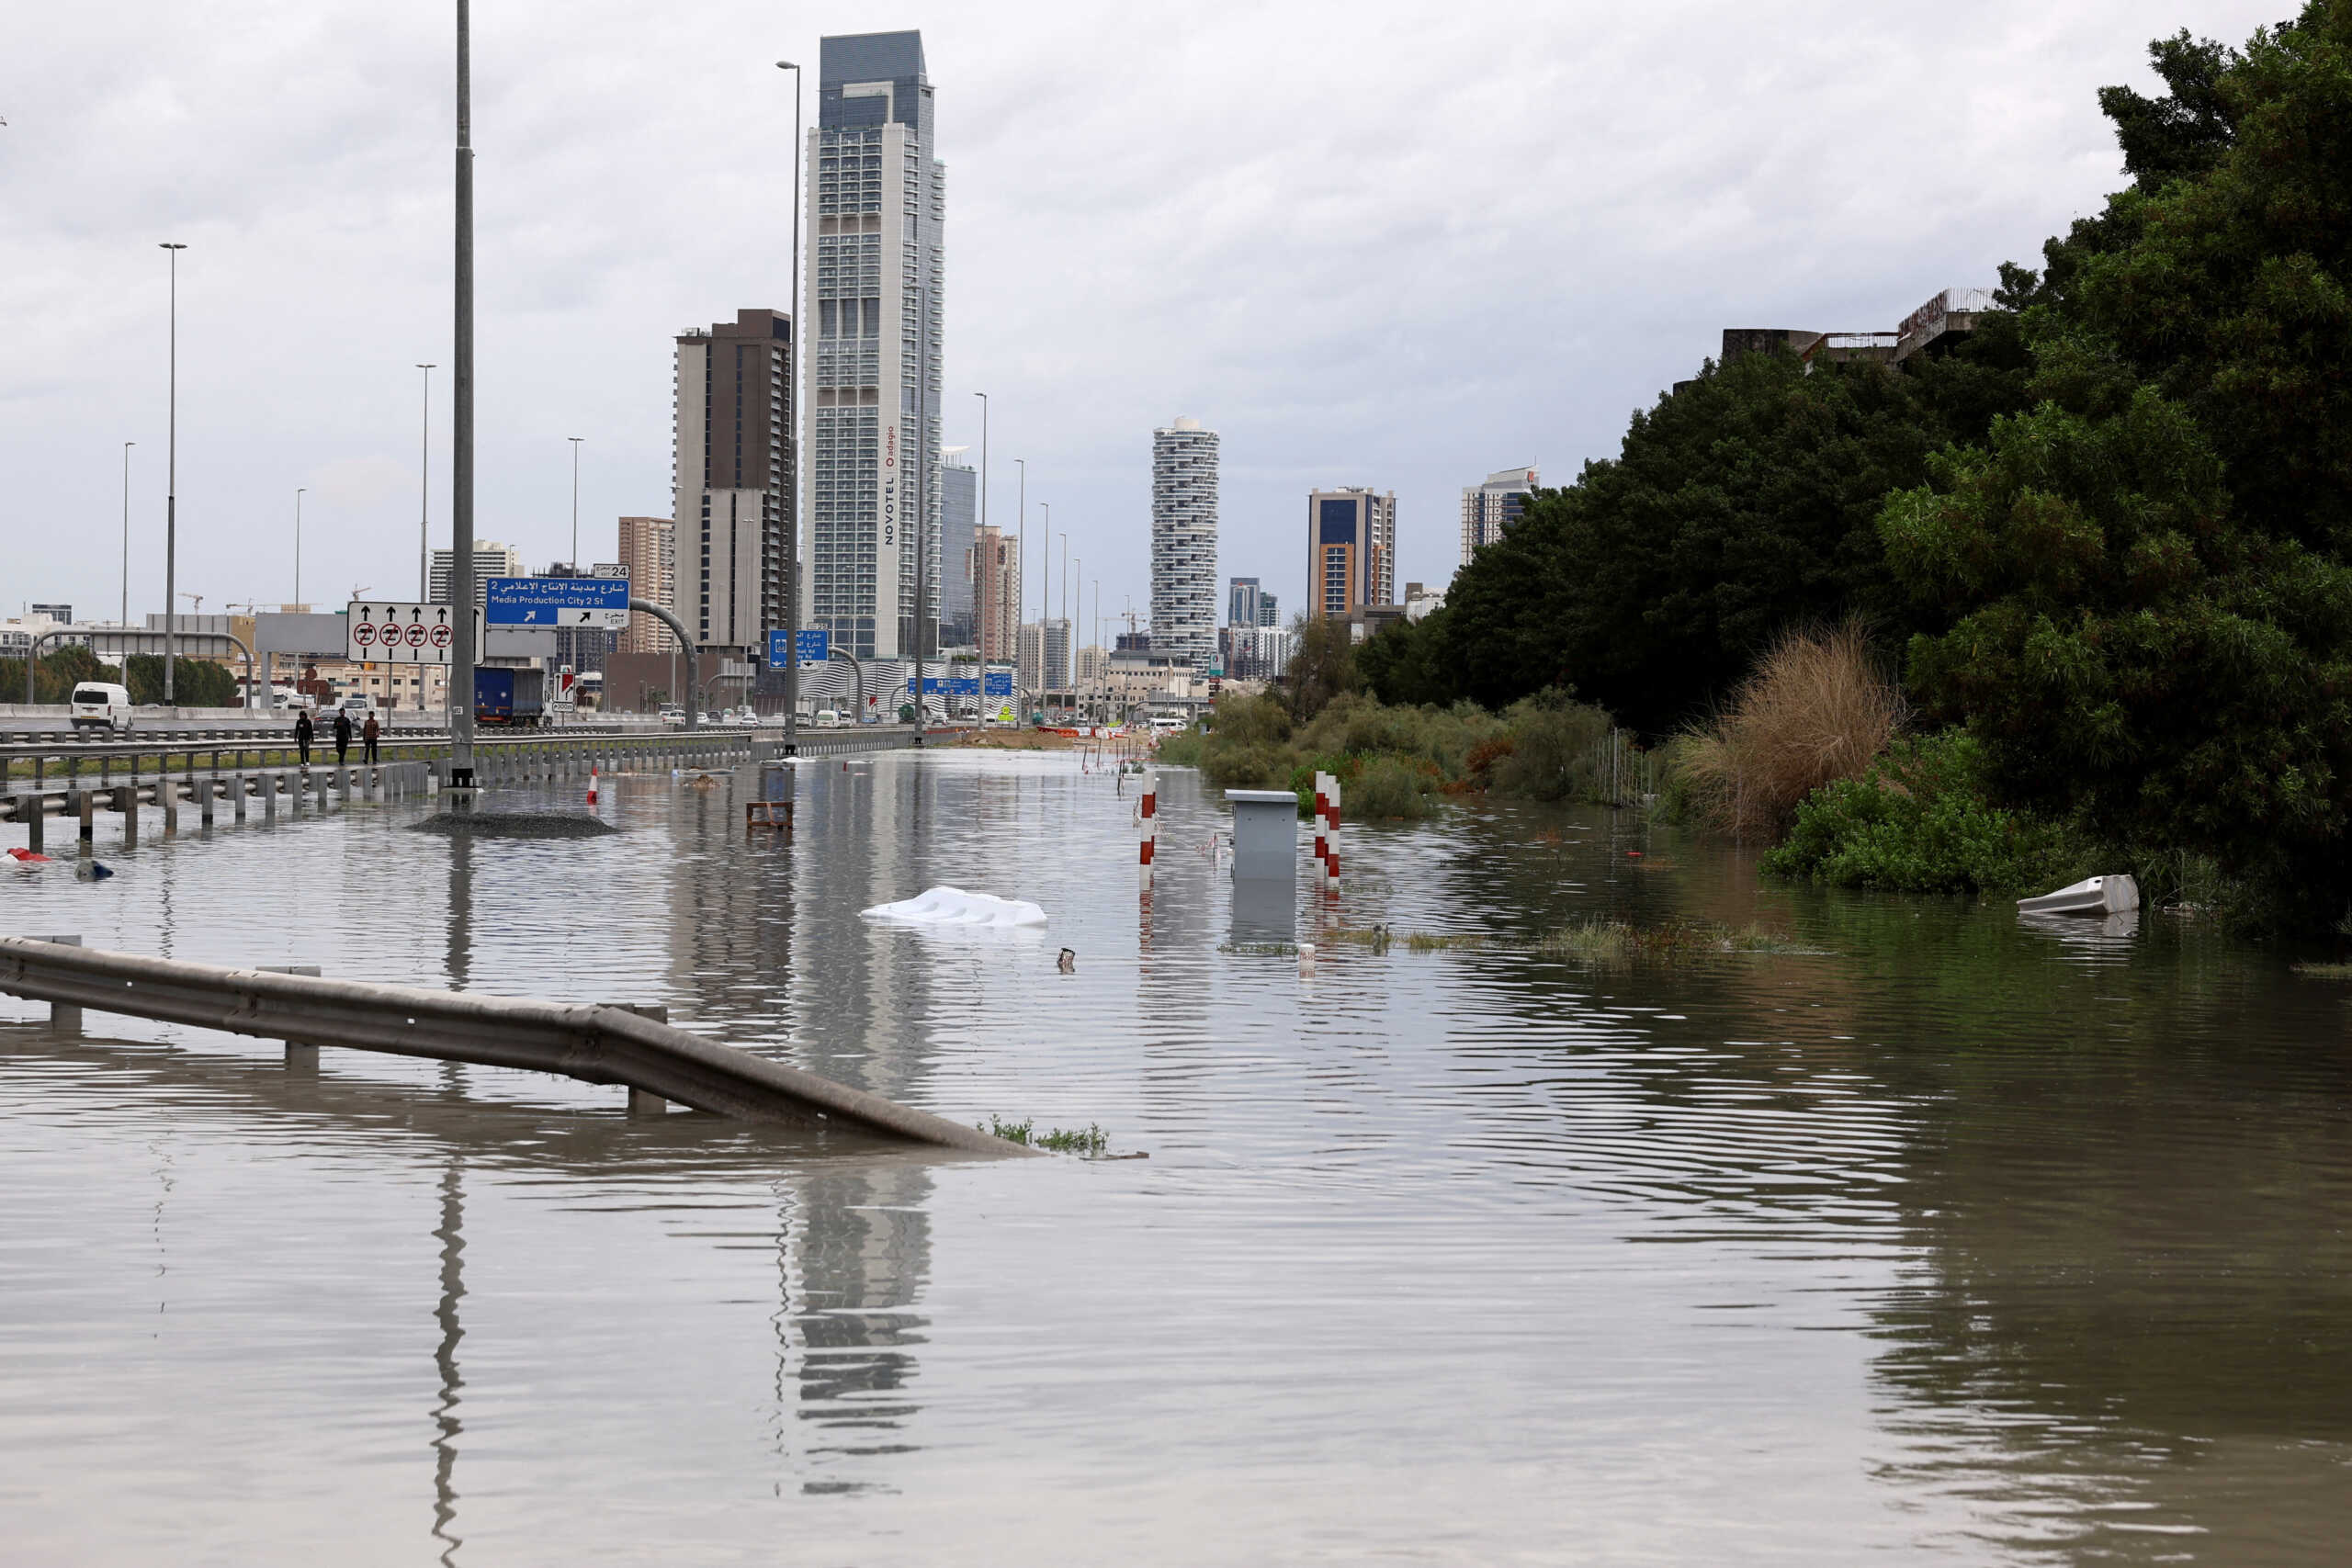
(398, 634)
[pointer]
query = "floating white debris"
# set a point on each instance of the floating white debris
(2097, 896)
(954, 907)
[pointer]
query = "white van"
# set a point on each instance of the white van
(828, 719)
(97, 705)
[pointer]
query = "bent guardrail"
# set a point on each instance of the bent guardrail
(591, 1043)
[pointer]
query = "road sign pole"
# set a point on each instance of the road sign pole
(461, 478)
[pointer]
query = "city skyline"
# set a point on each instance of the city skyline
(342, 191)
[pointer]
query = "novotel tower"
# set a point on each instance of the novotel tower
(871, 324)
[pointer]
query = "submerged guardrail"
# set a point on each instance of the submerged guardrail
(603, 1045)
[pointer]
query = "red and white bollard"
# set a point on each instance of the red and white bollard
(1148, 824)
(592, 783)
(1326, 830)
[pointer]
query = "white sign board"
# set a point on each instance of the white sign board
(517, 642)
(375, 632)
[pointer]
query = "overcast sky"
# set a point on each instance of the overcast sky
(1392, 245)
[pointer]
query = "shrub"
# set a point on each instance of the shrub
(1253, 766)
(1181, 750)
(1555, 747)
(1814, 710)
(1917, 821)
(1386, 786)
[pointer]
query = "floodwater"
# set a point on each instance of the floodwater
(1948, 1239)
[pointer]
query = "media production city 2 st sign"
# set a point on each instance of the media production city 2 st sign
(553, 601)
(377, 633)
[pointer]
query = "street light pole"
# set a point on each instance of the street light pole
(126, 531)
(1045, 603)
(575, 441)
(923, 487)
(461, 443)
(979, 600)
(298, 545)
(424, 502)
(172, 487)
(1020, 583)
(792, 513)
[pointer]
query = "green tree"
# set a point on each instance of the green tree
(60, 669)
(196, 682)
(1407, 662)
(1743, 503)
(2150, 612)
(1322, 667)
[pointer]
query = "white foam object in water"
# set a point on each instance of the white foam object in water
(954, 907)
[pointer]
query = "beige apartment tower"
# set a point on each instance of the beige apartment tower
(993, 568)
(649, 559)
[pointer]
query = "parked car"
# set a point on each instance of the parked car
(95, 705)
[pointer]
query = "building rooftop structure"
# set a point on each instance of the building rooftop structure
(1949, 312)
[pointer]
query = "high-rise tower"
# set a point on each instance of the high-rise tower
(876, 207)
(1183, 543)
(731, 480)
(1489, 510)
(1350, 551)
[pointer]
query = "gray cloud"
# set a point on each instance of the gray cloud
(1389, 245)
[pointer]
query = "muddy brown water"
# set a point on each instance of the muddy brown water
(1947, 1238)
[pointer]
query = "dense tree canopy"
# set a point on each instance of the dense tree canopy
(2149, 609)
(1744, 502)
(2114, 525)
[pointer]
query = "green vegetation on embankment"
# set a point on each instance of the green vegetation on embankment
(2104, 541)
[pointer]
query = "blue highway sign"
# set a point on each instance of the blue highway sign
(558, 601)
(813, 646)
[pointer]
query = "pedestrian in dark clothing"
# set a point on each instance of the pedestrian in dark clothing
(302, 734)
(341, 736)
(368, 733)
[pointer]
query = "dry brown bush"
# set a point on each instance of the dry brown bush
(1817, 708)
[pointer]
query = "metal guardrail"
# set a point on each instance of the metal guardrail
(591, 1043)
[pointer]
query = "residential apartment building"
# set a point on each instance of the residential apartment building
(1184, 542)
(1258, 653)
(992, 570)
(1489, 510)
(877, 208)
(1045, 662)
(650, 560)
(490, 559)
(1350, 551)
(1243, 596)
(731, 477)
(959, 507)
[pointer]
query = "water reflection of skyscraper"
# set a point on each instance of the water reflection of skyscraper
(864, 1249)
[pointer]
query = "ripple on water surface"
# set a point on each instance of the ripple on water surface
(1944, 1232)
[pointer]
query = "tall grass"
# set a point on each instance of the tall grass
(1816, 709)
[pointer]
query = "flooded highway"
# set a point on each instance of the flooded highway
(1925, 1233)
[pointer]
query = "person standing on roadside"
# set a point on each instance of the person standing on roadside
(368, 733)
(302, 735)
(341, 736)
